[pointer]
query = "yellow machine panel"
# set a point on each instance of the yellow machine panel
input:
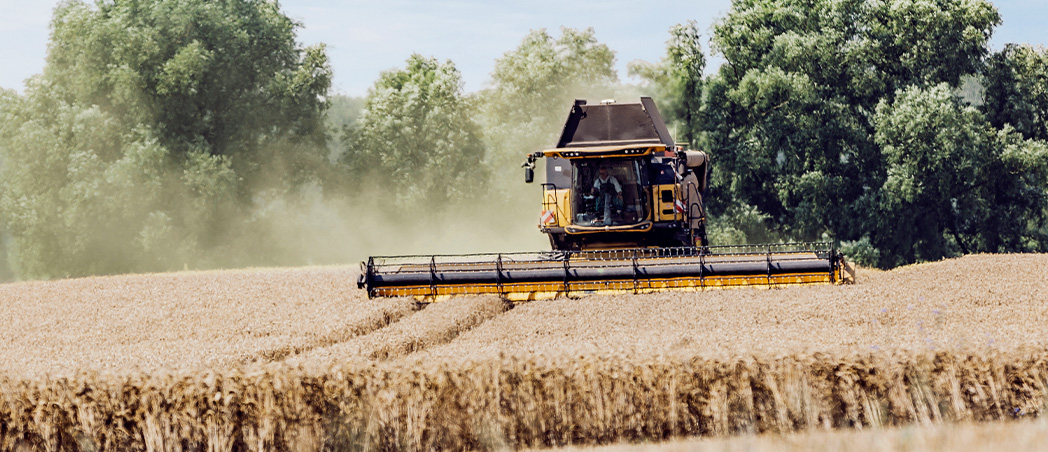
(668, 205)
(556, 211)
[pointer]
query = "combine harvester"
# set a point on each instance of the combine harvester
(623, 208)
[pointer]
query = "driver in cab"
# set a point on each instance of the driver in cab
(604, 186)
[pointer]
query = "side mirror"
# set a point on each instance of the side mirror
(529, 174)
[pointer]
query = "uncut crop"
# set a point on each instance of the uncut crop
(518, 402)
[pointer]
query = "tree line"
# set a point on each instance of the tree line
(175, 134)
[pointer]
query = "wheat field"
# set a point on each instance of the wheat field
(968, 437)
(299, 359)
(973, 304)
(182, 322)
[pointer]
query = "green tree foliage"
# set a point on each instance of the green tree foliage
(5, 238)
(150, 128)
(1016, 83)
(6, 274)
(678, 81)
(839, 118)
(225, 77)
(342, 115)
(1014, 196)
(532, 88)
(416, 140)
(344, 111)
(790, 111)
(953, 184)
(161, 132)
(934, 152)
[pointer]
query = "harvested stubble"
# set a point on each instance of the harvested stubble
(519, 402)
(436, 324)
(181, 322)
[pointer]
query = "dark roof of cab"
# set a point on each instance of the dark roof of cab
(614, 124)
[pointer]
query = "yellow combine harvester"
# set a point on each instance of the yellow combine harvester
(622, 206)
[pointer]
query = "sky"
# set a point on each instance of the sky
(364, 38)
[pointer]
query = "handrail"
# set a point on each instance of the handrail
(550, 192)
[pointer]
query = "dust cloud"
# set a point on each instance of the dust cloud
(311, 229)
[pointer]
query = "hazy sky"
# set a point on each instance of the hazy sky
(367, 37)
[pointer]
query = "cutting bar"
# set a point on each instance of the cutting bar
(544, 275)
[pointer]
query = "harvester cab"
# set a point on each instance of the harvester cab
(616, 179)
(623, 207)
